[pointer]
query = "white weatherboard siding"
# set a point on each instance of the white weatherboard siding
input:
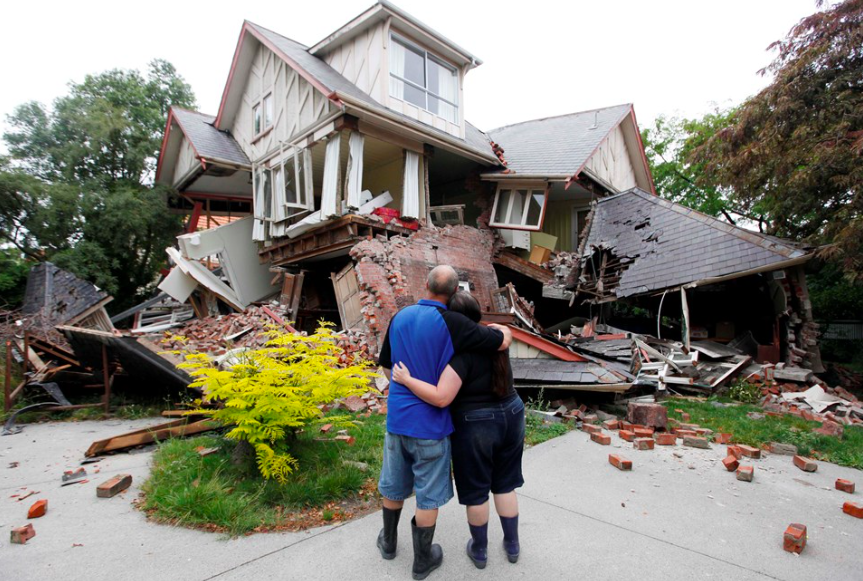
(297, 105)
(611, 162)
(361, 61)
(185, 161)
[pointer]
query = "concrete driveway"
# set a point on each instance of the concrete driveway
(677, 515)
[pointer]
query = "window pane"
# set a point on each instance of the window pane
(534, 209)
(290, 186)
(443, 81)
(517, 207)
(408, 63)
(442, 109)
(256, 114)
(268, 194)
(502, 205)
(268, 111)
(405, 92)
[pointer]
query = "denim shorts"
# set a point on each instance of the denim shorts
(414, 464)
(487, 447)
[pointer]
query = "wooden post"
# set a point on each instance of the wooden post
(106, 376)
(26, 353)
(7, 389)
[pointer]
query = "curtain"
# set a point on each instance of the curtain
(308, 183)
(397, 67)
(330, 190)
(354, 184)
(411, 190)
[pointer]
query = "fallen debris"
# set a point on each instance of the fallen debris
(731, 463)
(175, 429)
(794, 539)
(114, 486)
(619, 462)
(38, 509)
(853, 509)
(73, 476)
(845, 485)
(21, 535)
(600, 438)
(805, 464)
(696, 442)
(745, 473)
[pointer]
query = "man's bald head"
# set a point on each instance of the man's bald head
(442, 281)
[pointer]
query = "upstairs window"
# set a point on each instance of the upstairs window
(519, 208)
(420, 78)
(262, 114)
(268, 110)
(258, 121)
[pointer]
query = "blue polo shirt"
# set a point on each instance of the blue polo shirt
(424, 337)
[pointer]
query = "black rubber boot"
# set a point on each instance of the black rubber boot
(477, 545)
(388, 537)
(510, 537)
(427, 557)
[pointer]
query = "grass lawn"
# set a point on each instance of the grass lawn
(213, 493)
(787, 429)
(537, 431)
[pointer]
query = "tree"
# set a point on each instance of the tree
(794, 151)
(77, 188)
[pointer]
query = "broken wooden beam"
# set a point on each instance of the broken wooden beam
(175, 429)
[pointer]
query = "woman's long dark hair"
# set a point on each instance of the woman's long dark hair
(501, 374)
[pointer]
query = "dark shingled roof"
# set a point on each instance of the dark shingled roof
(557, 146)
(59, 295)
(563, 372)
(331, 79)
(670, 245)
(209, 142)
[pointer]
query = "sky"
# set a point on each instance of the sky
(541, 57)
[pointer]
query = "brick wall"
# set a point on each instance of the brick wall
(392, 273)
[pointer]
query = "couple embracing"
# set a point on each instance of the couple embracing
(451, 399)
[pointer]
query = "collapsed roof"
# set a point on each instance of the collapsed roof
(60, 296)
(639, 243)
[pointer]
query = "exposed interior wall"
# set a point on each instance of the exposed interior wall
(185, 161)
(611, 162)
(392, 273)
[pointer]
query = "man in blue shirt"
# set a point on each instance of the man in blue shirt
(424, 337)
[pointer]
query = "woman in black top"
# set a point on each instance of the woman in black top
(488, 441)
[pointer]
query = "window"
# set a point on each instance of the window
(262, 114)
(268, 110)
(423, 80)
(257, 120)
(519, 208)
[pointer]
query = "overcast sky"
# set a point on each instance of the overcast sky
(541, 57)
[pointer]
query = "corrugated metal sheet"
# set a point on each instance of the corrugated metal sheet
(842, 330)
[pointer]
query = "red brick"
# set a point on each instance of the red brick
(845, 485)
(703, 431)
(735, 451)
(730, 463)
(643, 432)
(619, 462)
(853, 509)
(749, 451)
(696, 442)
(626, 435)
(745, 473)
(684, 433)
(684, 416)
(722, 438)
(611, 424)
(644, 443)
(600, 438)
(830, 428)
(665, 439)
(591, 428)
(349, 440)
(38, 509)
(693, 427)
(326, 428)
(795, 538)
(23, 534)
(114, 486)
(648, 414)
(805, 464)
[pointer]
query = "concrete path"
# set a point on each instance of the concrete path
(677, 515)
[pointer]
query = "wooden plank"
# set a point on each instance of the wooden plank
(54, 350)
(7, 384)
(521, 266)
(744, 361)
(179, 428)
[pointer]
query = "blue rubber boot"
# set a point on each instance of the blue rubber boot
(510, 537)
(477, 545)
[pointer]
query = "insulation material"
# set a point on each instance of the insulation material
(411, 195)
(818, 399)
(330, 189)
(354, 184)
(205, 278)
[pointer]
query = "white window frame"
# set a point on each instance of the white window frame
(257, 119)
(261, 119)
(267, 103)
(520, 224)
(426, 91)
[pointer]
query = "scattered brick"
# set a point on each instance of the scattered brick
(749, 451)
(627, 426)
(845, 485)
(590, 419)
(685, 433)
(730, 463)
(722, 438)
(666, 439)
(38, 509)
(704, 432)
(355, 403)
(643, 432)
(611, 424)
(349, 440)
(686, 426)
(782, 449)
(619, 462)
(627, 435)
(21, 535)
(795, 538)
(853, 509)
(696, 442)
(644, 443)
(647, 414)
(600, 438)
(745, 473)
(805, 464)
(830, 428)
(684, 416)
(326, 428)
(735, 451)
(114, 486)
(591, 428)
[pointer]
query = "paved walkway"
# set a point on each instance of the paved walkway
(677, 515)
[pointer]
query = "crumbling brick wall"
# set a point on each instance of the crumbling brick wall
(392, 273)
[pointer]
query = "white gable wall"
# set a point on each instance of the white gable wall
(297, 106)
(361, 61)
(185, 160)
(611, 162)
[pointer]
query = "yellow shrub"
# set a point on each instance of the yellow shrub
(276, 390)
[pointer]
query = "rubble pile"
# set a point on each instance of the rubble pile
(355, 345)
(834, 407)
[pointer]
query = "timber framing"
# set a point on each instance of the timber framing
(521, 266)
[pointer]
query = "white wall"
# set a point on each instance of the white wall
(611, 162)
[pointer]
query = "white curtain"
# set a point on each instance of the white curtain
(397, 67)
(354, 184)
(330, 189)
(411, 190)
(308, 182)
(279, 213)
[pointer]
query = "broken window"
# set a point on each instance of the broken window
(447, 215)
(521, 208)
(423, 80)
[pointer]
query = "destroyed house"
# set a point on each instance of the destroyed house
(338, 174)
(357, 170)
